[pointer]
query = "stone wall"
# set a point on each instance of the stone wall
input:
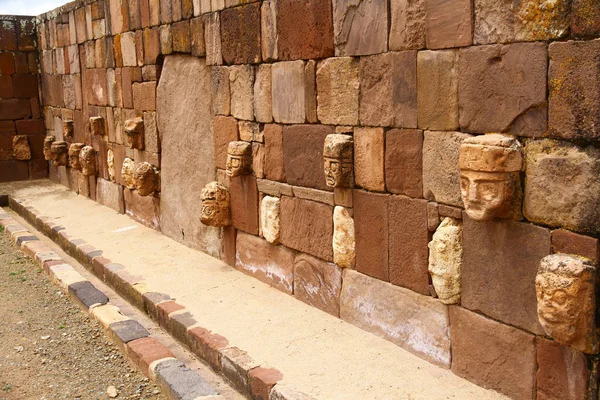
(21, 126)
(412, 83)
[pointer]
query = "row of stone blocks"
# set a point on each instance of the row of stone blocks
(248, 376)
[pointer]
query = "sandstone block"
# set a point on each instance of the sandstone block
(145, 210)
(584, 18)
(288, 92)
(20, 148)
(574, 110)
(273, 265)
(270, 219)
(240, 34)
(307, 226)
(220, 91)
(448, 24)
(414, 322)
(404, 162)
(318, 283)
(268, 30)
(567, 242)
(437, 77)
(241, 82)
(244, 203)
(128, 49)
(492, 355)
(562, 372)
(310, 95)
(197, 37)
(388, 89)
(303, 155)
(407, 29)
(180, 33)
(344, 239)
(166, 40)
(372, 232)
(144, 96)
(338, 91)
(562, 185)
(500, 262)
(212, 38)
(110, 194)
(225, 130)
(441, 175)
(502, 88)
(360, 27)
(262, 94)
(369, 147)
(274, 164)
(502, 21)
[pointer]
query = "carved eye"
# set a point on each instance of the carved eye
(489, 190)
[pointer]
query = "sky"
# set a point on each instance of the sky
(29, 7)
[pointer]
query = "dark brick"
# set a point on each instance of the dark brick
(13, 170)
(181, 382)
(87, 293)
(178, 325)
(6, 87)
(129, 330)
(180, 33)
(7, 63)
(28, 238)
(15, 108)
(30, 127)
(240, 34)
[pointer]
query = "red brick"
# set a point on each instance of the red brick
(8, 35)
(492, 355)
(274, 164)
(244, 203)
(262, 381)
(30, 126)
(404, 162)
(13, 170)
(307, 226)
(166, 308)
(180, 33)
(304, 29)
(7, 127)
(225, 130)
(568, 242)
(21, 62)
(144, 352)
(7, 63)
(303, 155)
(408, 251)
(372, 232)
(151, 45)
(206, 345)
(240, 34)
(15, 108)
(6, 87)
(98, 264)
(144, 96)
(562, 374)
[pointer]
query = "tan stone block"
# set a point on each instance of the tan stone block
(407, 29)
(225, 130)
(241, 82)
(274, 164)
(369, 147)
(273, 188)
(128, 50)
(412, 321)
(360, 28)
(212, 39)
(338, 91)
(288, 92)
(262, 94)
(221, 96)
(448, 24)
(166, 41)
(144, 96)
(249, 131)
(318, 283)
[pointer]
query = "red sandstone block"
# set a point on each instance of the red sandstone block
(144, 96)
(7, 127)
(81, 31)
(8, 35)
(135, 17)
(7, 63)
(38, 169)
(404, 162)
(145, 351)
(166, 308)
(244, 203)
(30, 127)
(568, 242)
(126, 85)
(225, 130)
(240, 34)
(151, 45)
(13, 170)
(21, 62)
(262, 381)
(6, 87)
(274, 160)
(371, 230)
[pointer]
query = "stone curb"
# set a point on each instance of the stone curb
(153, 358)
(251, 378)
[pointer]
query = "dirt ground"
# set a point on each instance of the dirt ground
(49, 347)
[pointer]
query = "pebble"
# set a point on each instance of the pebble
(45, 337)
(112, 392)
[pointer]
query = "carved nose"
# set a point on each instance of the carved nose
(473, 191)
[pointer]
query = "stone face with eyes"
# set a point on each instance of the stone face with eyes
(338, 154)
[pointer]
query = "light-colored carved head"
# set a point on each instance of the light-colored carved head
(445, 260)
(87, 158)
(48, 154)
(127, 173)
(489, 176)
(60, 153)
(338, 154)
(68, 128)
(97, 126)
(566, 300)
(145, 177)
(134, 133)
(239, 159)
(74, 150)
(215, 205)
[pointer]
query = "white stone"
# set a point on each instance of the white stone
(343, 237)
(445, 260)
(269, 218)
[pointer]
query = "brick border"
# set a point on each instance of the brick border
(251, 378)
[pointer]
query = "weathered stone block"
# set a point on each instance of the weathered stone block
(574, 99)
(244, 203)
(212, 38)
(404, 162)
(144, 96)
(371, 229)
(338, 91)
(318, 283)
(562, 185)
(128, 49)
(225, 130)
(567, 242)
(241, 82)
(407, 29)
(584, 18)
(562, 373)
(502, 88)
(441, 175)
(437, 77)
(263, 110)
(271, 264)
(369, 147)
(501, 260)
(307, 226)
(110, 194)
(240, 34)
(180, 33)
(274, 164)
(197, 37)
(448, 24)
(502, 21)
(360, 27)
(414, 322)
(388, 89)
(288, 92)
(220, 91)
(344, 239)
(492, 355)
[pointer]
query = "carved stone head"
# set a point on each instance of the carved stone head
(239, 159)
(87, 158)
(74, 150)
(215, 205)
(110, 164)
(68, 128)
(127, 173)
(48, 140)
(97, 126)
(445, 260)
(146, 179)
(489, 177)
(566, 300)
(338, 155)
(60, 153)
(134, 132)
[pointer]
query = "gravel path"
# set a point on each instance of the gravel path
(49, 347)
